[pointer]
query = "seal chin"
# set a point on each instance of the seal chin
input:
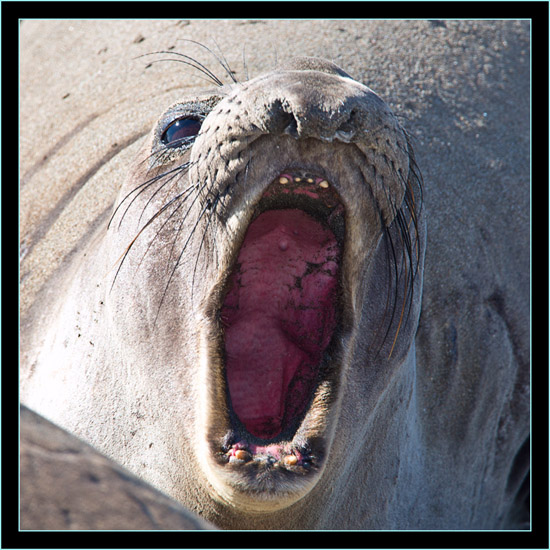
(271, 347)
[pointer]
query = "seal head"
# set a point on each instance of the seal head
(268, 200)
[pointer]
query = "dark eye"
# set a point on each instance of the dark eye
(181, 132)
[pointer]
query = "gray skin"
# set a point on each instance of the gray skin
(66, 484)
(415, 426)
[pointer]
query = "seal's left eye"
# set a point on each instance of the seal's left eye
(181, 131)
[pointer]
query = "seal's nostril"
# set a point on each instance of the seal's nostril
(292, 127)
(283, 120)
(347, 129)
(344, 134)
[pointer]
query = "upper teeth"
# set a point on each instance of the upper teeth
(283, 180)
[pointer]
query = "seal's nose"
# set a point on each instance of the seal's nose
(324, 106)
(300, 125)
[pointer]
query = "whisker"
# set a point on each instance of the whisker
(405, 226)
(123, 256)
(174, 178)
(141, 186)
(395, 286)
(182, 203)
(221, 60)
(212, 208)
(198, 190)
(192, 63)
(245, 66)
(179, 259)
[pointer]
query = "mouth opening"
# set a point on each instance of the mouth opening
(281, 306)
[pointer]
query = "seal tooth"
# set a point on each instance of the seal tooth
(324, 184)
(283, 180)
(309, 180)
(290, 460)
(297, 179)
(241, 454)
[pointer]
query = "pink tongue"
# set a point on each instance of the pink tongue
(279, 317)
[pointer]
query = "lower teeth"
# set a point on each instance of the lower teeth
(242, 456)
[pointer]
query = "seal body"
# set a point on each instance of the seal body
(66, 484)
(244, 329)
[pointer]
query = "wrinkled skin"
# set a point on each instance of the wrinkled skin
(420, 407)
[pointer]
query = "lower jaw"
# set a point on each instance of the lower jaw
(257, 476)
(263, 479)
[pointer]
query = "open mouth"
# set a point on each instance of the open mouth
(281, 309)
(280, 313)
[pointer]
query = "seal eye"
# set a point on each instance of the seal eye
(181, 132)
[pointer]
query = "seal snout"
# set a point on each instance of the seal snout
(326, 107)
(306, 98)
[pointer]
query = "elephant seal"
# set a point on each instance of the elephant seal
(66, 484)
(242, 329)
